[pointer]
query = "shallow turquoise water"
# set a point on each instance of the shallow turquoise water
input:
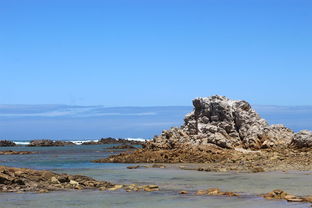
(76, 160)
(95, 199)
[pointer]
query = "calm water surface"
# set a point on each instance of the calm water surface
(76, 160)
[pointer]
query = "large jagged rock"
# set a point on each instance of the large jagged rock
(302, 139)
(226, 123)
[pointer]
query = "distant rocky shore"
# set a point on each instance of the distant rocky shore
(49, 142)
(7, 143)
(110, 140)
(226, 135)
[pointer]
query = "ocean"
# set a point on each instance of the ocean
(24, 123)
(77, 160)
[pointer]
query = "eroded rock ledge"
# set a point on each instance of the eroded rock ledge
(22, 180)
(224, 132)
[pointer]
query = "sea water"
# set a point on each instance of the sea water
(77, 160)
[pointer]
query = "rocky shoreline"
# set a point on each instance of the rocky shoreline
(50, 143)
(20, 180)
(225, 135)
(276, 194)
(211, 159)
(42, 181)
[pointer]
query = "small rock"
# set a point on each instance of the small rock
(202, 192)
(158, 166)
(134, 167)
(213, 191)
(102, 188)
(257, 170)
(74, 183)
(292, 198)
(150, 188)
(42, 191)
(63, 179)
(115, 187)
(229, 194)
(54, 180)
(307, 199)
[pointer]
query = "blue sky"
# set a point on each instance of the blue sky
(156, 52)
(93, 122)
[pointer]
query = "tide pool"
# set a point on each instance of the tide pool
(77, 160)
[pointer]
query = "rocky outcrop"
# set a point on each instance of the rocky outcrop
(276, 135)
(225, 123)
(225, 135)
(212, 158)
(22, 180)
(6, 143)
(302, 139)
(110, 140)
(183, 154)
(48, 143)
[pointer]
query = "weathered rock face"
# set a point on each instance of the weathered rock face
(6, 143)
(302, 139)
(226, 123)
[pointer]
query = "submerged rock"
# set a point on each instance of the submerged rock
(11, 152)
(280, 194)
(225, 123)
(215, 192)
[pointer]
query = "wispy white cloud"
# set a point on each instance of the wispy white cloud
(67, 112)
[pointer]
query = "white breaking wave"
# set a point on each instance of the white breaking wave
(136, 139)
(22, 143)
(79, 142)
